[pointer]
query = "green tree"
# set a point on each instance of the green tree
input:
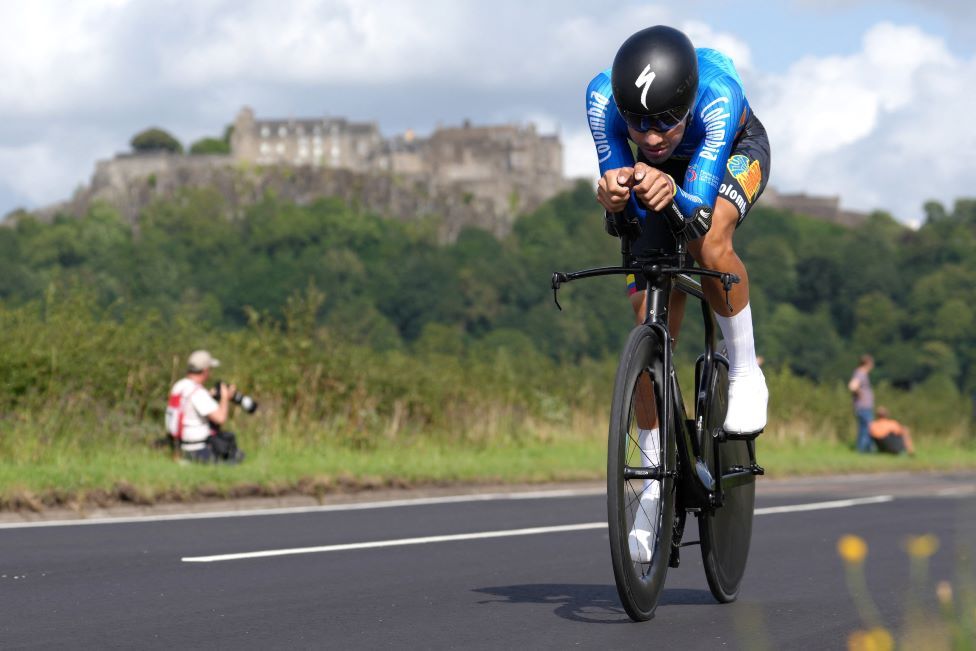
(155, 139)
(209, 146)
(878, 321)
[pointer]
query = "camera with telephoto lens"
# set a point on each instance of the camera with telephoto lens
(246, 402)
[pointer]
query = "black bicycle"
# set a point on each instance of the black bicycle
(693, 465)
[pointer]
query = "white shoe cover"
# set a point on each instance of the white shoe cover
(748, 398)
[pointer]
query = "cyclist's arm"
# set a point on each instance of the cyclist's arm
(609, 132)
(722, 110)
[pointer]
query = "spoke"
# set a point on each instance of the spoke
(653, 523)
(637, 495)
(642, 455)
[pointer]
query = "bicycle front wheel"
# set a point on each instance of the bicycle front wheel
(640, 477)
(726, 531)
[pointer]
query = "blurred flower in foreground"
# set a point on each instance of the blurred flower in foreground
(922, 546)
(852, 548)
(876, 639)
(944, 592)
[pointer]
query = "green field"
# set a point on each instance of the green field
(144, 475)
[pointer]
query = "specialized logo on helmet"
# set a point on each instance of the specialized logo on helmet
(645, 79)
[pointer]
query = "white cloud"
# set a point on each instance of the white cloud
(48, 170)
(703, 35)
(579, 155)
(882, 127)
(51, 55)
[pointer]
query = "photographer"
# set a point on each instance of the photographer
(194, 416)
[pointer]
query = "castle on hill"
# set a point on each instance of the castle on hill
(491, 163)
(481, 176)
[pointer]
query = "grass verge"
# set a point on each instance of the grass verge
(146, 476)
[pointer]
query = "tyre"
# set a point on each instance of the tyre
(640, 511)
(725, 532)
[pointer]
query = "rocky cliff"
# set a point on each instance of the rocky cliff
(130, 182)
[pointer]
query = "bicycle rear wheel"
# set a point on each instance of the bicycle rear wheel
(640, 479)
(726, 531)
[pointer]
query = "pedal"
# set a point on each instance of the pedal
(753, 468)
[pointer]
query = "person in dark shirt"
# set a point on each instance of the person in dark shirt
(860, 388)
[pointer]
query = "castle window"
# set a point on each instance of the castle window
(265, 131)
(265, 148)
(280, 148)
(282, 131)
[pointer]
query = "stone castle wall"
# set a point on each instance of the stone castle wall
(512, 167)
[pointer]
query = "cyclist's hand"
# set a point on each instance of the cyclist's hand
(653, 187)
(613, 190)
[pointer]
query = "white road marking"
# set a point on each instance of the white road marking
(288, 510)
(816, 506)
(959, 491)
(813, 506)
(397, 543)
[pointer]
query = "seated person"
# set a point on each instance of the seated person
(194, 417)
(890, 435)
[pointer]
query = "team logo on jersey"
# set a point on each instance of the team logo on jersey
(748, 174)
(691, 175)
(644, 79)
(596, 112)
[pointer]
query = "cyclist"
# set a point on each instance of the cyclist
(698, 144)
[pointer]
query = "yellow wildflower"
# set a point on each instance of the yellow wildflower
(922, 546)
(852, 548)
(876, 639)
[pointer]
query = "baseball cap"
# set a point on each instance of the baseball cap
(201, 360)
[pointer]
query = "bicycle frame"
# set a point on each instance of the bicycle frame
(701, 487)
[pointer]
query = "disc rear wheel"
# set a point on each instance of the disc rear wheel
(726, 531)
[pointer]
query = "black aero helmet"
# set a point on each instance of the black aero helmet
(655, 78)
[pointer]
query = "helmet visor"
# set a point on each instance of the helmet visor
(664, 121)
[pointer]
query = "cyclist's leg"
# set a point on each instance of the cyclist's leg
(748, 395)
(715, 251)
(744, 181)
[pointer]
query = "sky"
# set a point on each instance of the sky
(866, 100)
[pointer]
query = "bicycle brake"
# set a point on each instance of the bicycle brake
(557, 280)
(727, 281)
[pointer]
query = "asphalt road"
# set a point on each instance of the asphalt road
(458, 583)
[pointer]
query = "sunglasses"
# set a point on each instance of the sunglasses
(664, 121)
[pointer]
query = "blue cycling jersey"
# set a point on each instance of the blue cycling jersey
(719, 112)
